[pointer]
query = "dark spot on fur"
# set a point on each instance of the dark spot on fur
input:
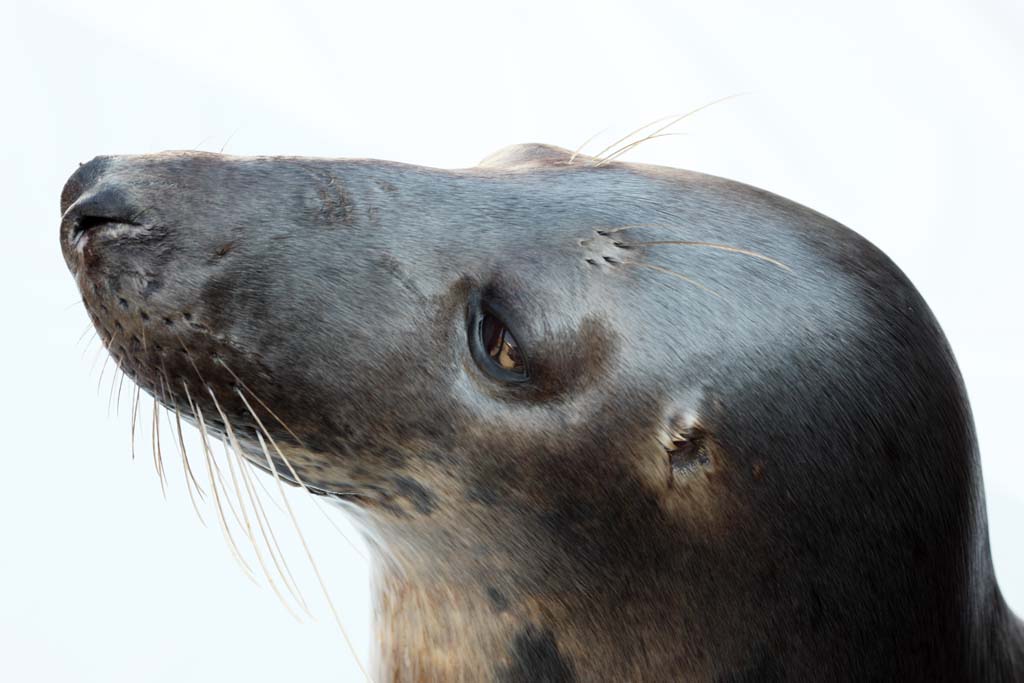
(123, 302)
(498, 600)
(481, 494)
(223, 250)
(534, 657)
(422, 498)
(757, 470)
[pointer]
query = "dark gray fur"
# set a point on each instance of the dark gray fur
(832, 527)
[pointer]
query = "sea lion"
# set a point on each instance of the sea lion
(599, 420)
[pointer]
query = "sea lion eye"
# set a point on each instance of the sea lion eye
(495, 349)
(500, 344)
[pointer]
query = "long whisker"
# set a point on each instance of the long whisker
(88, 326)
(619, 152)
(213, 488)
(179, 443)
(631, 134)
(120, 385)
(106, 360)
(158, 456)
(135, 416)
(184, 454)
(96, 357)
(674, 274)
(266, 530)
(212, 461)
(220, 480)
(232, 457)
(190, 482)
(286, 575)
(576, 152)
(281, 422)
(668, 125)
(298, 530)
(113, 384)
(713, 245)
(351, 544)
(298, 479)
(89, 343)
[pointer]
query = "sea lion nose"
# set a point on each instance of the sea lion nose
(89, 202)
(81, 180)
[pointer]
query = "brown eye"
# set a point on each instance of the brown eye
(500, 344)
(494, 347)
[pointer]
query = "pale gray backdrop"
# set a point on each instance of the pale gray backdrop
(902, 120)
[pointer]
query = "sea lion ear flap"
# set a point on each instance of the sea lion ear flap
(686, 440)
(531, 155)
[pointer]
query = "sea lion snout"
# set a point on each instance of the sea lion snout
(95, 214)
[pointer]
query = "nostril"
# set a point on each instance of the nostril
(85, 224)
(104, 209)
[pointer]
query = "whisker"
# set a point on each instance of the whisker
(286, 575)
(576, 152)
(89, 343)
(668, 125)
(213, 461)
(135, 415)
(158, 458)
(674, 274)
(106, 360)
(714, 245)
(179, 443)
(213, 488)
(88, 326)
(224, 146)
(190, 479)
(96, 357)
(113, 383)
(184, 453)
(236, 448)
(202, 142)
(74, 303)
(266, 530)
(330, 519)
(281, 422)
(267, 493)
(619, 152)
(298, 480)
(117, 408)
(631, 134)
(298, 530)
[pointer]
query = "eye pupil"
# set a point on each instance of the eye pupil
(500, 345)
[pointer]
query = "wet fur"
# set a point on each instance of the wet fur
(825, 520)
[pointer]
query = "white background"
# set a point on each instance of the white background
(903, 120)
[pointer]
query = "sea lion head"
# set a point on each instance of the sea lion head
(569, 377)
